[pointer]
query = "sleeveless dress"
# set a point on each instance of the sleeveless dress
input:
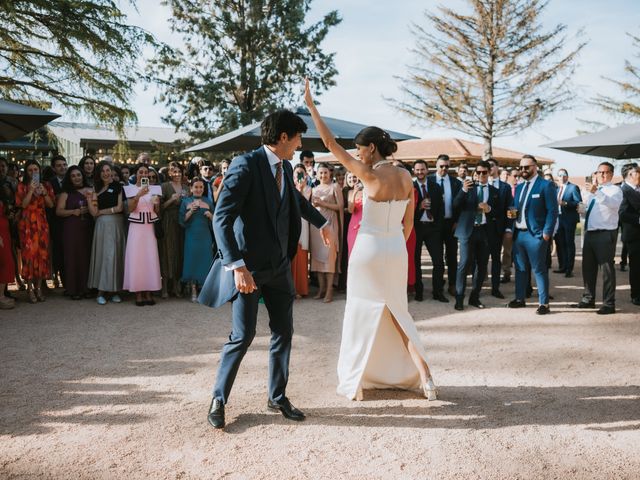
(372, 353)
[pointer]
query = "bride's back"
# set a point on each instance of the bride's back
(389, 183)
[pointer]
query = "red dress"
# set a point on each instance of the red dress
(7, 269)
(33, 231)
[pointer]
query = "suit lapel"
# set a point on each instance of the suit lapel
(272, 197)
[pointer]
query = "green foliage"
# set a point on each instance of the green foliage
(491, 72)
(630, 89)
(78, 54)
(239, 60)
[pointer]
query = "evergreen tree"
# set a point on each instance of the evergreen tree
(490, 72)
(239, 60)
(78, 54)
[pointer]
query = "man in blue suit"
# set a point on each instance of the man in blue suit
(568, 200)
(257, 226)
(478, 204)
(536, 214)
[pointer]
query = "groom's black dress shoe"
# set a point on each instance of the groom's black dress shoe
(516, 304)
(216, 413)
(287, 410)
(475, 302)
(440, 297)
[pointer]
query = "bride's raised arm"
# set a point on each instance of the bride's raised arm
(362, 171)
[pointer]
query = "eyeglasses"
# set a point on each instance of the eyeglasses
(482, 172)
(443, 166)
(525, 167)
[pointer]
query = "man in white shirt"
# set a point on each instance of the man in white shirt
(603, 200)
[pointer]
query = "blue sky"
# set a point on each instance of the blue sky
(373, 43)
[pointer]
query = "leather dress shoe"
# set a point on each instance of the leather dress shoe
(543, 310)
(584, 305)
(497, 294)
(475, 302)
(505, 279)
(568, 274)
(560, 270)
(459, 303)
(287, 410)
(606, 310)
(216, 413)
(440, 297)
(516, 304)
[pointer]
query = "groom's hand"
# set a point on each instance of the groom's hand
(244, 280)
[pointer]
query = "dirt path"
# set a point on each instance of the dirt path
(120, 392)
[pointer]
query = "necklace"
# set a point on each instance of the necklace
(381, 163)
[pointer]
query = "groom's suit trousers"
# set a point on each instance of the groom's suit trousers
(277, 290)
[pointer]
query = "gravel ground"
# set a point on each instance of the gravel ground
(119, 391)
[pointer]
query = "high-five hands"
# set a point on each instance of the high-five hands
(244, 280)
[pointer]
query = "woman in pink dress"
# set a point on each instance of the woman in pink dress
(141, 262)
(355, 208)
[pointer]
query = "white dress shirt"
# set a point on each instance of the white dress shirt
(445, 183)
(522, 204)
(604, 213)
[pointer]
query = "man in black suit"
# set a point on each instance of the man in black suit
(257, 226)
(502, 226)
(59, 167)
(478, 204)
(568, 200)
(450, 188)
(630, 219)
(428, 223)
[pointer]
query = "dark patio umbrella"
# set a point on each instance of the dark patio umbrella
(248, 138)
(17, 120)
(618, 143)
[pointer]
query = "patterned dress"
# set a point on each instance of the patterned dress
(33, 231)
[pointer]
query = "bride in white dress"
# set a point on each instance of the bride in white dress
(380, 345)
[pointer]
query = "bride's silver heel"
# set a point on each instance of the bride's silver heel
(429, 389)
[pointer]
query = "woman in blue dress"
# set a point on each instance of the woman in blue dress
(196, 213)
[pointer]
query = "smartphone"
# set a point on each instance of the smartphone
(300, 177)
(587, 179)
(36, 177)
(144, 182)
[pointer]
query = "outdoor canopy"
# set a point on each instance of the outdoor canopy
(618, 143)
(18, 120)
(248, 137)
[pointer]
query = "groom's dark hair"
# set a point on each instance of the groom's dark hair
(277, 123)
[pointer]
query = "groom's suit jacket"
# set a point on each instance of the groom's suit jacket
(245, 224)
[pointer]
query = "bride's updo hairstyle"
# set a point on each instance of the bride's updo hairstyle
(381, 139)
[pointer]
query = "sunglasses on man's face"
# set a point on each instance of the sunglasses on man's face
(525, 167)
(482, 172)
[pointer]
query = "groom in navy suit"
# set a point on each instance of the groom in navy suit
(257, 227)
(536, 205)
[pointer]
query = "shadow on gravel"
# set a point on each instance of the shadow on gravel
(478, 408)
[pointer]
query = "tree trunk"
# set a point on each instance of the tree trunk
(488, 148)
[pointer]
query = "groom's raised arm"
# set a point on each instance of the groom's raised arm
(236, 186)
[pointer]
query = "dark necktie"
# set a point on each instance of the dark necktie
(592, 202)
(522, 203)
(279, 176)
(480, 200)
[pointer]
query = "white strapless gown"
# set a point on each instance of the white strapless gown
(372, 353)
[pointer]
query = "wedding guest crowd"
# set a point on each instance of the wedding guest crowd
(101, 230)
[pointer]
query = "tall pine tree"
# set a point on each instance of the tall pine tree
(77, 54)
(239, 59)
(489, 72)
